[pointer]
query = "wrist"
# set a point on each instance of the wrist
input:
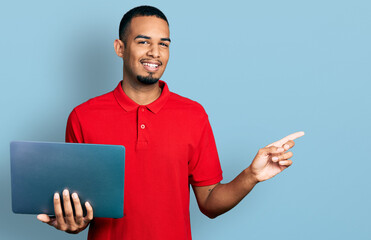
(250, 176)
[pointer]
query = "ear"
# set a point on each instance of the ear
(119, 47)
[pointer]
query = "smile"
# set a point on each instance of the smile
(151, 65)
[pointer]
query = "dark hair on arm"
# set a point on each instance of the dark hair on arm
(137, 12)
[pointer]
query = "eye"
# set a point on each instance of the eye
(164, 44)
(143, 42)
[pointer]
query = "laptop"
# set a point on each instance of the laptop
(94, 171)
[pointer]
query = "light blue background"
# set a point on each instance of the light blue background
(261, 69)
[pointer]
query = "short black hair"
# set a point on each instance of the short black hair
(137, 12)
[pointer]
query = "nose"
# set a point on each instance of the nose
(154, 51)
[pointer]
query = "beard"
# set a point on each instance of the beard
(148, 80)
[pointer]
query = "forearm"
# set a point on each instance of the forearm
(224, 197)
(269, 161)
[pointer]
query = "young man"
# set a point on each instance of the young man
(169, 145)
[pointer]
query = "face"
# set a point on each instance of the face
(146, 52)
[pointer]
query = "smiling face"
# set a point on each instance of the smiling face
(146, 49)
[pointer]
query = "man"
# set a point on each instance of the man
(169, 145)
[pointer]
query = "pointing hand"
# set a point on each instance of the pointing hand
(273, 159)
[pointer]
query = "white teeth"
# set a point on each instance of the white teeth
(151, 65)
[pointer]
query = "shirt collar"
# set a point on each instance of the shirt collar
(129, 105)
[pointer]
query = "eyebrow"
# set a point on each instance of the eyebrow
(146, 37)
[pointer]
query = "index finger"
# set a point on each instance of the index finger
(292, 136)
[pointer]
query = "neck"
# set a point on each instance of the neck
(140, 93)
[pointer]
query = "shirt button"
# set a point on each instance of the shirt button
(142, 109)
(142, 126)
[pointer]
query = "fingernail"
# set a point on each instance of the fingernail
(280, 149)
(56, 195)
(65, 192)
(274, 158)
(286, 146)
(74, 195)
(87, 204)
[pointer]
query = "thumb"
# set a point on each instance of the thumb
(43, 218)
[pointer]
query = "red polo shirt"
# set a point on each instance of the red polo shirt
(169, 145)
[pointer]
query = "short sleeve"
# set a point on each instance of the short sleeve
(73, 129)
(204, 167)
